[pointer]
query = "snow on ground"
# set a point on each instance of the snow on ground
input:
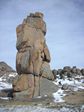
(77, 84)
(4, 98)
(59, 95)
(7, 76)
(73, 84)
(3, 81)
(5, 85)
(22, 108)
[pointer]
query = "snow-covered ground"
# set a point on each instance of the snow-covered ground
(77, 84)
(59, 95)
(5, 77)
(5, 81)
(74, 84)
(5, 85)
(40, 109)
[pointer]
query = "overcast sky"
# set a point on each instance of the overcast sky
(65, 29)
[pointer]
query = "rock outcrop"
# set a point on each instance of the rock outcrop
(68, 71)
(7, 75)
(33, 57)
(5, 68)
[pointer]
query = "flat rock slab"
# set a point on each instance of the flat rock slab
(47, 87)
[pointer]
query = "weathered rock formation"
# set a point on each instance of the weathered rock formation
(33, 57)
(69, 72)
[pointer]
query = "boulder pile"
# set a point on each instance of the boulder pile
(32, 59)
(69, 72)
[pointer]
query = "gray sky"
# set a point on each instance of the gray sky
(65, 29)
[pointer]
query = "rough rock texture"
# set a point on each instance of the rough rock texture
(82, 71)
(33, 57)
(46, 72)
(47, 87)
(69, 72)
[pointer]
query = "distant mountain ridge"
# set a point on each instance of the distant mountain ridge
(4, 68)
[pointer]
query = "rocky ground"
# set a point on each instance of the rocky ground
(29, 108)
(69, 96)
(40, 105)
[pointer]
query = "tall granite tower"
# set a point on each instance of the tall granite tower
(33, 57)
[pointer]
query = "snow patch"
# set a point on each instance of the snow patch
(76, 84)
(73, 85)
(4, 98)
(3, 81)
(7, 76)
(59, 96)
(5, 85)
(39, 97)
(13, 75)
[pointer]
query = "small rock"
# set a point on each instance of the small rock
(54, 73)
(65, 86)
(69, 75)
(46, 71)
(59, 71)
(62, 76)
(82, 71)
(78, 71)
(67, 69)
(73, 69)
(60, 83)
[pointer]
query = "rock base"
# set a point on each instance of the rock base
(29, 86)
